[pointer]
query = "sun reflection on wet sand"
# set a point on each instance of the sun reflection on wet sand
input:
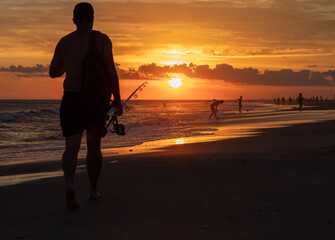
(180, 141)
(28, 177)
(158, 145)
(230, 128)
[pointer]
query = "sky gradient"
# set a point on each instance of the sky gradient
(221, 49)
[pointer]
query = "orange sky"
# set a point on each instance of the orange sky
(259, 34)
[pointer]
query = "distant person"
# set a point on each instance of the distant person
(300, 100)
(278, 100)
(214, 108)
(290, 100)
(283, 100)
(80, 111)
(239, 104)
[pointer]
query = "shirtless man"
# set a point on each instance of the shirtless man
(300, 100)
(68, 58)
(214, 108)
(239, 100)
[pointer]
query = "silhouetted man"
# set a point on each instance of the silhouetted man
(69, 58)
(300, 100)
(283, 100)
(239, 104)
(214, 108)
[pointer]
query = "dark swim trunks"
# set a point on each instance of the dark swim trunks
(74, 118)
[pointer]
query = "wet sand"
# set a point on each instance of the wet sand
(276, 185)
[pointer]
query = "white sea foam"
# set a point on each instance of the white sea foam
(11, 116)
(6, 117)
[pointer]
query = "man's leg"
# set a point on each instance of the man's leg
(93, 164)
(215, 112)
(69, 165)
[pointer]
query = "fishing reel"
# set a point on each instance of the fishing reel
(111, 115)
(119, 129)
(127, 108)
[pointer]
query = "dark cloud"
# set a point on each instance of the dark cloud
(131, 73)
(32, 75)
(39, 68)
(225, 72)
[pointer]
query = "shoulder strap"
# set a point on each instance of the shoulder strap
(93, 38)
(86, 65)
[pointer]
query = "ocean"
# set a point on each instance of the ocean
(30, 129)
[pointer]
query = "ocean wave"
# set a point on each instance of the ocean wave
(50, 110)
(12, 116)
(54, 138)
(8, 117)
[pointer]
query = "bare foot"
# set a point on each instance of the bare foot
(71, 202)
(95, 195)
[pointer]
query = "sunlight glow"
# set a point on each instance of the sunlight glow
(180, 141)
(175, 82)
(174, 52)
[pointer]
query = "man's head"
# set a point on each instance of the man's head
(83, 14)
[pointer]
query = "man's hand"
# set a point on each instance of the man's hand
(119, 107)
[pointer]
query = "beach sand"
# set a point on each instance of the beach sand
(276, 185)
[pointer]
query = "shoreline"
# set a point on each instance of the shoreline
(164, 144)
(55, 165)
(50, 145)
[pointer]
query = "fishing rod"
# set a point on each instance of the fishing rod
(111, 116)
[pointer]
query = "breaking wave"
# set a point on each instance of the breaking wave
(12, 116)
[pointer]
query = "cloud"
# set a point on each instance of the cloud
(138, 28)
(131, 73)
(250, 76)
(32, 75)
(39, 68)
(224, 72)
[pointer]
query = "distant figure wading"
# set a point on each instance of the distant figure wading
(214, 108)
(239, 100)
(300, 100)
(87, 59)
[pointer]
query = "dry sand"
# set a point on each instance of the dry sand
(278, 185)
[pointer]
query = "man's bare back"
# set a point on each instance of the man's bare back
(71, 51)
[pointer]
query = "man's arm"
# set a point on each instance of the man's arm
(113, 77)
(56, 66)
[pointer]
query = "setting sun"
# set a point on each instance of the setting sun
(175, 82)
